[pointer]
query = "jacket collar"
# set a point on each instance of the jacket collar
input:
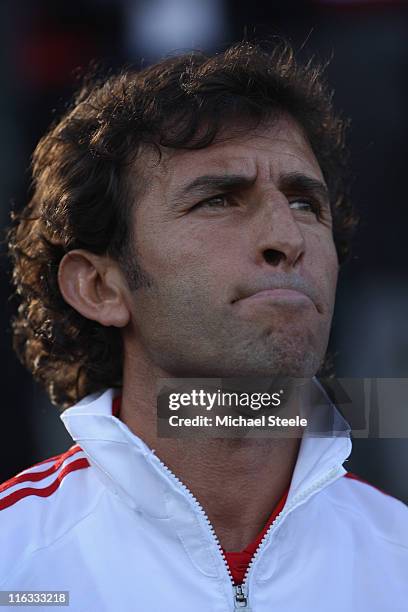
(133, 471)
(325, 445)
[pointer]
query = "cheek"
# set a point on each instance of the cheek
(323, 263)
(331, 263)
(185, 267)
(180, 249)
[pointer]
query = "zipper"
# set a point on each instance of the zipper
(241, 590)
(241, 600)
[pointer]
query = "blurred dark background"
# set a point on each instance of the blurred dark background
(46, 43)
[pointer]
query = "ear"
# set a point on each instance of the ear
(95, 287)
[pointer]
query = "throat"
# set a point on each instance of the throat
(239, 483)
(247, 537)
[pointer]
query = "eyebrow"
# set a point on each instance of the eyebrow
(204, 183)
(293, 181)
(299, 182)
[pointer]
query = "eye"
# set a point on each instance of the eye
(305, 205)
(218, 201)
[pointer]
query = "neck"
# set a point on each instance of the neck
(237, 481)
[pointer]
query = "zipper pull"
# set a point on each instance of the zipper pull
(241, 601)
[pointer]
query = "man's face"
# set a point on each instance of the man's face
(237, 241)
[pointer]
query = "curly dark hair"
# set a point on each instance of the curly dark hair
(81, 191)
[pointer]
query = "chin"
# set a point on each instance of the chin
(269, 366)
(288, 359)
(301, 363)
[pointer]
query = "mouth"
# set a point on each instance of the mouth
(278, 293)
(290, 296)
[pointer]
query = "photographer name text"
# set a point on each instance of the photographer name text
(237, 421)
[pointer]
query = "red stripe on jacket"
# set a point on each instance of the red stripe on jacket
(14, 497)
(36, 476)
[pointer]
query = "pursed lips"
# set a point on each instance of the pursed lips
(294, 290)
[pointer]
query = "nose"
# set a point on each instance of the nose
(280, 241)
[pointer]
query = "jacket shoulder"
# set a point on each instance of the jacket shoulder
(42, 503)
(377, 513)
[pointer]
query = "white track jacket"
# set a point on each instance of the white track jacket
(108, 522)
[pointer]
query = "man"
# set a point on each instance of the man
(187, 222)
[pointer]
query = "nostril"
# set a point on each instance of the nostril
(273, 257)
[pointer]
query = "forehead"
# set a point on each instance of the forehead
(267, 152)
